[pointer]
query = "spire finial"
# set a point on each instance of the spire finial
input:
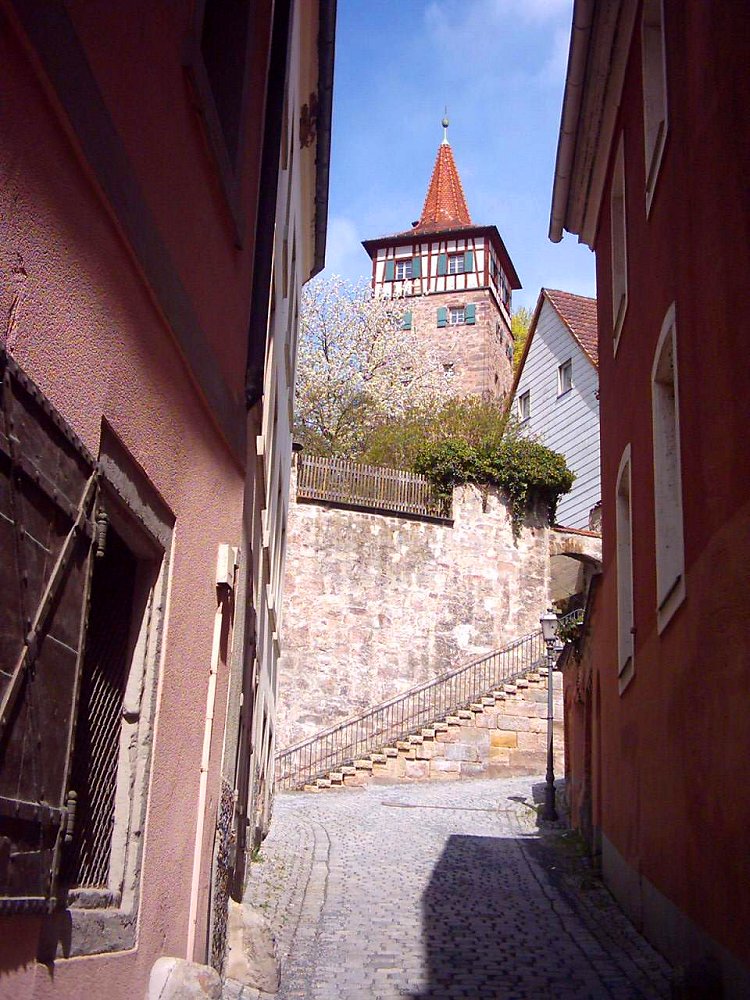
(445, 123)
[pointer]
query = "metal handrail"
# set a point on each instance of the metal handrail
(414, 709)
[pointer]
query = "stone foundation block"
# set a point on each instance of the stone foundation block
(532, 741)
(252, 959)
(445, 767)
(499, 755)
(527, 760)
(471, 770)
(486, 720)
(459, 751)
(176, 979)
(500, 738)
(475, 737)
(513, 723)
(451, 736)
(417, 770)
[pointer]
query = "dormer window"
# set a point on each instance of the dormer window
(456, 264)
(404, 269)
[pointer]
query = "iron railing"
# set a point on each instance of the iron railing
(396, 718)
(339, 481)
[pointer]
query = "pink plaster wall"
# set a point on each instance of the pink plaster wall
(77, 315)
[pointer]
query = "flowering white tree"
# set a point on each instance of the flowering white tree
(357, 366)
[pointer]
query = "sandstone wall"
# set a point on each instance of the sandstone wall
(374, 605)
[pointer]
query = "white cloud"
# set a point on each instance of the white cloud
(476, 30)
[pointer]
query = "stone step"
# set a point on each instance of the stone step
(403, 745)
(311, 788)
(348, 769)
(337, 777)
(533, 677)
(378, 758)
(476, 707)
(509, 688)
(498, 695)
(465, 715)
(441, 727)
(323, 782)
(390, 751)
(428, 734)
(521, 683)
(452, 720)
(416, 740)
(488, 702)
(363, 765)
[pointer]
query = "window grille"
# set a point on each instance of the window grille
(457, 316)
(456, 263)
(97, 742)
(404, 269)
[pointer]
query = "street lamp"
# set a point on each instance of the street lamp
(548, 622)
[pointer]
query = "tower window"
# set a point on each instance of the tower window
(404, 269)
(619, 246)
(456, 264)
(456, 315)
(224, 48)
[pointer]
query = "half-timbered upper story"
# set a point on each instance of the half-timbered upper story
(466, 271)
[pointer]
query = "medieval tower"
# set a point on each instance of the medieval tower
(456, 278)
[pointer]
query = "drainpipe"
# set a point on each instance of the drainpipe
(225, 566)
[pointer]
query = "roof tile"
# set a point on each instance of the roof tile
(578, 312)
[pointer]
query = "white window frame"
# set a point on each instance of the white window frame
(403, 269)
(624, 558)
(654, 83)
(456, 263)
(524, 406)
(449, 369)
(669, 544)
(619, 247)
(565, 375)
(456, 315)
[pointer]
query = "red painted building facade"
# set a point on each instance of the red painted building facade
(652, 168)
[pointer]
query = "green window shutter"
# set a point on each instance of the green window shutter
(470, 314)
(406, 321)
(416, 267)
(389, 270)
(442, 316)
(442, 263)
(469, 260)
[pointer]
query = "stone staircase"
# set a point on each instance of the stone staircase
(503, 732)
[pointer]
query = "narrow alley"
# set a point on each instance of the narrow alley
(439, 891)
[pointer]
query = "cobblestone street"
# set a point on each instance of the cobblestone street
(439, 891)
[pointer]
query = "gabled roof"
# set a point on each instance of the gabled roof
(445, 205)
(578, 313)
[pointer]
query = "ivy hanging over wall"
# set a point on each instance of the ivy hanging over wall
(528, 472)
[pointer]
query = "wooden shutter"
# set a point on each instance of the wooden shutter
(442, 316)
(469, 260)
(406, 322)
(416, 267)
(48, 487)
(389, 270)
(470, 314)
(442, 264)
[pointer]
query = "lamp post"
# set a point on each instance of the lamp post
(548, 622)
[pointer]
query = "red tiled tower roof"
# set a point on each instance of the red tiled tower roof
(445, 205)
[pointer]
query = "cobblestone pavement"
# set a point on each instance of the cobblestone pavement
(439, 891)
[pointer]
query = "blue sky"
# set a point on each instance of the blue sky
(499, 65)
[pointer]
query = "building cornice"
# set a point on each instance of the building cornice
(601, 37)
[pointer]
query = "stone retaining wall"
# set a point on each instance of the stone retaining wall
(374, 605)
